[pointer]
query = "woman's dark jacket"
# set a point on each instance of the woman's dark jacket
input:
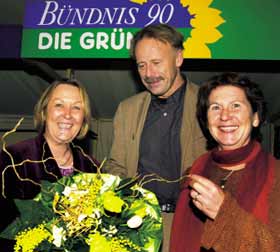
(35, 149)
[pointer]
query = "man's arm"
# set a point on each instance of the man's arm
(116, 163)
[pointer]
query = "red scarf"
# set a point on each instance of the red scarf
(252, 193)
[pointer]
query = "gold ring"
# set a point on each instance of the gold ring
(195, 198)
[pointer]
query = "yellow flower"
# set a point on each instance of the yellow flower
(121, 244)
(204, 22)
(98, 243)
(89, 220)
(29, 239)
(139, 208)
(112, 202)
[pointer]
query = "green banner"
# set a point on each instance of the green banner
(215, 29)
(250, 31)
(80, 43)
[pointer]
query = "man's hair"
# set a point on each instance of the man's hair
(40, 109)
(161, 32)
(253, 94)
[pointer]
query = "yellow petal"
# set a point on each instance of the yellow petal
(138, 1)
(206, 35)
(196, 5)
(99, 244)
(112, 203)
(207, 18)
(196, 49)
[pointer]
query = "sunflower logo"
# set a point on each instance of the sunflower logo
(204, 23)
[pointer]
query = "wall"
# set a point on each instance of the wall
(9, 122)
(104, 130)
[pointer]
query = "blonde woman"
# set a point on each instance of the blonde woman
(61, 115)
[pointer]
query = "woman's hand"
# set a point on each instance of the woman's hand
(207, 196)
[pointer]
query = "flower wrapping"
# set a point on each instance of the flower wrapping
(88, 212)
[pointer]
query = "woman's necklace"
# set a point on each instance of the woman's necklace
(66, 160)
(223, 181)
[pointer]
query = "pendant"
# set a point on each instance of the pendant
(223, 183)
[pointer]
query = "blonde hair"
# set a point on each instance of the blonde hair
(40, 109)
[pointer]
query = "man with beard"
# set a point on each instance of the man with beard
(156, 134)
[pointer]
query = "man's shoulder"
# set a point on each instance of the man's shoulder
(192, 87)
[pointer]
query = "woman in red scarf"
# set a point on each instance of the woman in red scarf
(230, 202)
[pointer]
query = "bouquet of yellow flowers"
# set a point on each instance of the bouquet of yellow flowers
(88, 212)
